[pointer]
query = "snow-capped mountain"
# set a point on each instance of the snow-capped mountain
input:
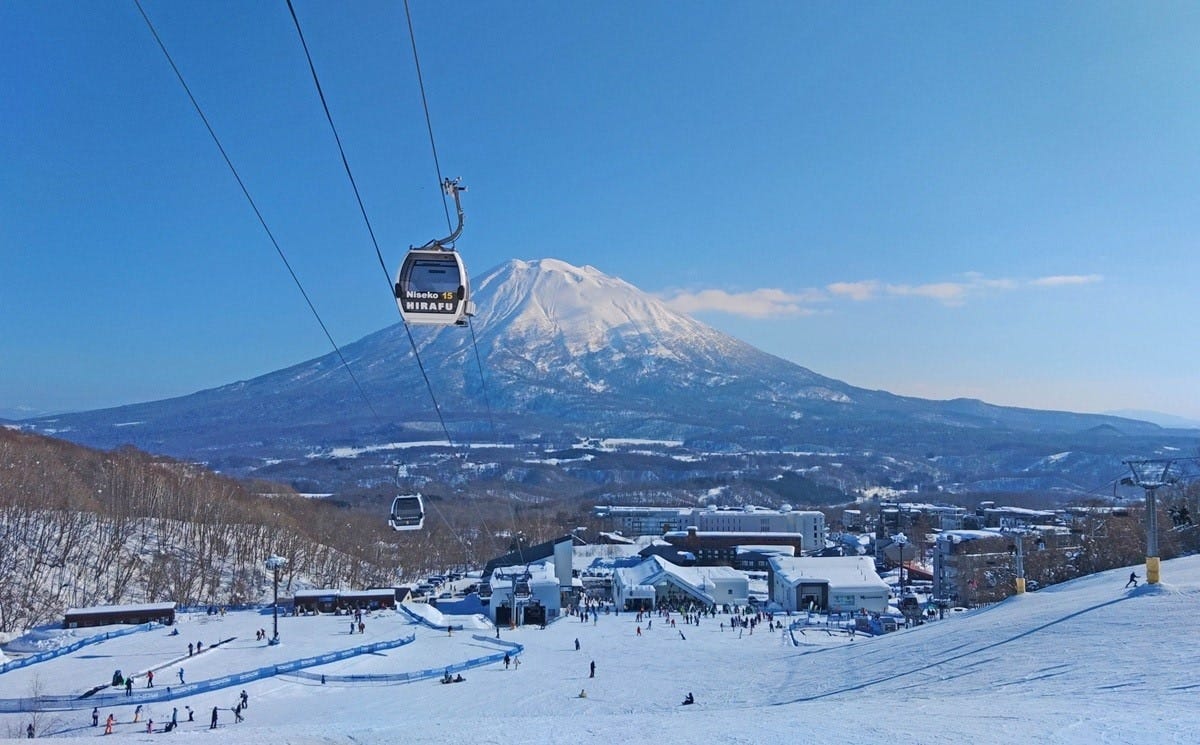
(569, 353)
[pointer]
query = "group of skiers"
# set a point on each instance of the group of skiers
(111, 721)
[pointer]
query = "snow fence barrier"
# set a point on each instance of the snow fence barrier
(33, 659)
(168, 693)
(510, 648)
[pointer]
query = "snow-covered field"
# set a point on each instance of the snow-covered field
(1082, 662)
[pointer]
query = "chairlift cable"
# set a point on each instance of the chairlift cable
(262, 221)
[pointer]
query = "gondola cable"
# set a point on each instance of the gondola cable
(378, 252)
(366, 219)
(257, 213)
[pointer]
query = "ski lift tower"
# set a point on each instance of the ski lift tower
(1151, 475)
(274, 563)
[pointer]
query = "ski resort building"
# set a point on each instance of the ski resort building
(720, 547)
(105, 615)
(656, 581)
(838, 584)
(749, 519)
(525, 594)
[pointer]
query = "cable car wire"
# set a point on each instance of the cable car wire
(367, 220)
(257, 213)
(412, 38)
(437, 166)
(379, 253)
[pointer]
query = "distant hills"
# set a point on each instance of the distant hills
(578, 370)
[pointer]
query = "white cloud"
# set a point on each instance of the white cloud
(773, 302)
(859, 291)
(1062, 280)
(762, 303)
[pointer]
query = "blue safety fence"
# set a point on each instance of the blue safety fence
(168, 693)
(511, 648)
(33, 659)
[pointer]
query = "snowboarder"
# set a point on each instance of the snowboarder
(96, 717)
(582, 693)
(688, 700)
(214, 719)
(592, 669)
(1133, 578)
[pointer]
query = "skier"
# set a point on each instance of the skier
(191, 714)
(681, 636)
(108, 724)
(1133, 578)
(150, 679)
(237, 713)
(507, 660)
(576, 645)
(174, 717)
(149, 726)
(191, 649)
(245, 699)
(129, 686)
(214, 719)
(181, 676)
(592, 669)
(137, 714)
(96, 717)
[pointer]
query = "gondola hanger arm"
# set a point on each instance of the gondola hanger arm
(451, 187)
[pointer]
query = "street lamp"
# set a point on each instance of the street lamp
(901, 540)
(274, 564)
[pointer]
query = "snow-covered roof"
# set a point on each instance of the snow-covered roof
(131, 608)
(767, 550)
(698, 580)
(842, 572)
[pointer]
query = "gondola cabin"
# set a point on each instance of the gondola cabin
(408, 512)
(432, 287)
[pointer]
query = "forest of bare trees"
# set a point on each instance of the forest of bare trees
(82, 527)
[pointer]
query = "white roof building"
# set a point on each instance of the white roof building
(841, 584)
(657, 580)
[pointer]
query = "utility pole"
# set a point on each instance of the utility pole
(1151, 475)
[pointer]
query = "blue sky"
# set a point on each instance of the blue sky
(987, 200)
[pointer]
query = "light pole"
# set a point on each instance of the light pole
(274, 564)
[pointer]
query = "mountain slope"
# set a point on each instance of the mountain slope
(570, 353)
